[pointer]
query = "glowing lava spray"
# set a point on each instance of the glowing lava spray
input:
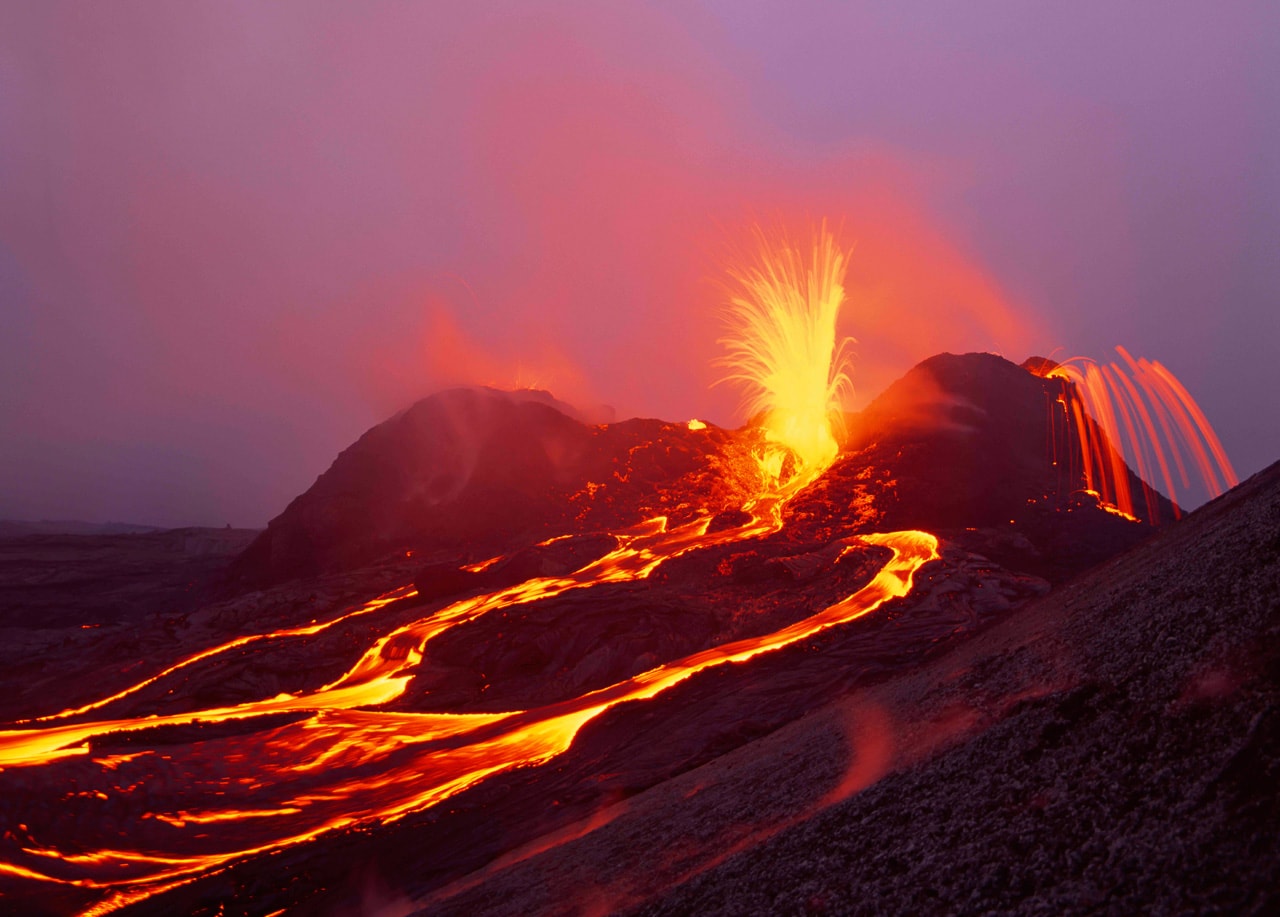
(1141, 413)
(783, 347)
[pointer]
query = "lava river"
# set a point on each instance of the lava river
(135, 824)
(340, 762)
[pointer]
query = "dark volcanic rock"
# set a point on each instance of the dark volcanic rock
(966, 440)
(556, 557)
(1125, 759)
(966, 444)
(70, 580)
(959, 442)
(468, 482)
(482, 471)
(550, 650)
(1112, 748)
(438, 581)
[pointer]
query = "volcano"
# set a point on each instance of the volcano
(960, 442)
(501, 658)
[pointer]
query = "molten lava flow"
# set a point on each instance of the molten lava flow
(1137, 415)
(784, 348)
(306, 631)
(337, 763)
(343, 766)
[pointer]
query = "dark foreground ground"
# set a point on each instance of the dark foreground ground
(61, 579)
(72, 604)
(1112, 748)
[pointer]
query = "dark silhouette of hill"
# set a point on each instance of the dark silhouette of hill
(960, 442)
(968, 446)
(487, 471)
(14, 528)
(53, 580)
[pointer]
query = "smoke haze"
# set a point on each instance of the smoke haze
(234, 236)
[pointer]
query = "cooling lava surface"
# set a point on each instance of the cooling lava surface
(474, 494)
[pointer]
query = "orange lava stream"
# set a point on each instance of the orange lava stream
(213, 801)
(343, 766)
(307, 631)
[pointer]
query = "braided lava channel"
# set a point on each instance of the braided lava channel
(342, 764)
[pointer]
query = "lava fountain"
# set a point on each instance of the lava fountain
(1137, 411)
(344, 760)
(784, 349)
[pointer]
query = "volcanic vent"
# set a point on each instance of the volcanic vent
(477, 472)
(578, 612)
(960, 442)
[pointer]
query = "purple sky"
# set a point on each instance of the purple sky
(234, 236)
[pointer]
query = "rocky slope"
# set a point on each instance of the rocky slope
(1111, 748)
(431, 496)
(482, 472)
(973, 447)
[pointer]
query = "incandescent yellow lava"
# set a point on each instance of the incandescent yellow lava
(784, 348)
(346, 760)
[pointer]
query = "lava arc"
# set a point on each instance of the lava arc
(1137, 411)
